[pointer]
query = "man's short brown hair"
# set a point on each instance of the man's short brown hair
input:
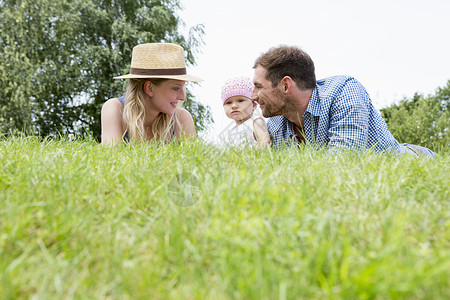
(288, 61)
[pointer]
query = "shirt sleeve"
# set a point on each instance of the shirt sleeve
(349, 117)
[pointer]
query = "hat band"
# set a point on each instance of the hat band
(177, 71)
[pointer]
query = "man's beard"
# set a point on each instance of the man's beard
(285, 105)
(267, 112)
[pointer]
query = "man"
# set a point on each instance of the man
(332, 112)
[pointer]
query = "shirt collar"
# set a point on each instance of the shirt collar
(289, 128)
(313, 105)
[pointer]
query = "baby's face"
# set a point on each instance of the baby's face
(239, 108)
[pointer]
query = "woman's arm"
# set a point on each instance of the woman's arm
(112, 122)
(261, 133)
(185, 125)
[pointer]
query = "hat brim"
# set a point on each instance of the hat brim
(176, 77)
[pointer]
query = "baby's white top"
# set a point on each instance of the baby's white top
(240, 135)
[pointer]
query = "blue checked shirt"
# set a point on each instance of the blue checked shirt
(339, 114)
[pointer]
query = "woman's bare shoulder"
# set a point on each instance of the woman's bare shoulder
(112, 107)
(112, 121)
(183, 113)
(185, 121)
(113, 102)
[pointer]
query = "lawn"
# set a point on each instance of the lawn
(192, 221)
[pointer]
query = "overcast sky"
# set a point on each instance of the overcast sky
(394, 48)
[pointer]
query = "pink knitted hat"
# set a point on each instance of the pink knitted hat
(237, 86)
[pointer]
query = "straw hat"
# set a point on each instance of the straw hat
(158, 60)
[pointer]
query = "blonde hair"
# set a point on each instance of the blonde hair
(134, 113)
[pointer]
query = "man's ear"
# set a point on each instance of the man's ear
(148, 88)
(286, 84)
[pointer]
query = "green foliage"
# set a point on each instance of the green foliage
(82, 221)
(58, 59)
(424, 121)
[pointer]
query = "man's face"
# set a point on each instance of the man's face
(270, 99)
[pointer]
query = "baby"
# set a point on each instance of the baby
(247, 130)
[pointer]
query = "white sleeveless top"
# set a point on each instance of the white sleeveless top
(240, 135)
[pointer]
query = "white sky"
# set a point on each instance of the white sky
(394, 48)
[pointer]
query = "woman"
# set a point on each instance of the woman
(151, 106)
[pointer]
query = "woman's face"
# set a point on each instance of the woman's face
(166, 95)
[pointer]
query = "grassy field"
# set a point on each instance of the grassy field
(191, 221)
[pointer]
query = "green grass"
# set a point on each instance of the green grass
(82, 221)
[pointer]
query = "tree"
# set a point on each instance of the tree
(58, 59)
(422, 120)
